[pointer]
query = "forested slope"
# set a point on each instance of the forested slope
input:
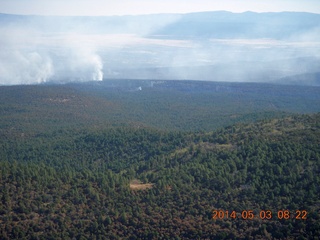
(143, 183)
(167, 105)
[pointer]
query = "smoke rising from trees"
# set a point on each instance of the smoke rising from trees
(212, 46)
(28, 58)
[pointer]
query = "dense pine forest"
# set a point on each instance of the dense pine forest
(159, 160)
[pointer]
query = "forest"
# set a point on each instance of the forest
(167, 160)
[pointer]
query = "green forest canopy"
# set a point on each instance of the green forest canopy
(62, 181)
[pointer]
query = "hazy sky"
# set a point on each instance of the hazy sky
(134, 7)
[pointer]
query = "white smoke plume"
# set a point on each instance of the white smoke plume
(20, 61)
(28, 57)
(20, 67)
(98, 73)
(74, 64)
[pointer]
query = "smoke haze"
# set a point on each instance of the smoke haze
(212, 46)
(30, 57)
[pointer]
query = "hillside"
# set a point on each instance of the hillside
(142, 183)
(158, 160)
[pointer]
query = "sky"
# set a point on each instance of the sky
(136, 7)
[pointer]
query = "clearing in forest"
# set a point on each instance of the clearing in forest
(138, 185)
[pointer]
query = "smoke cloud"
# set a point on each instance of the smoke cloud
(218, 46)
(73, 64)
(30, 57)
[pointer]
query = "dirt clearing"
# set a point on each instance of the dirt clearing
(138, 185)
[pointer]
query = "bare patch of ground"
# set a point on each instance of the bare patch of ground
(138, 185)
(214, 146)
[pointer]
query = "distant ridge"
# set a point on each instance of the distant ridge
(306, 79)
(217, 24)
(242, 25)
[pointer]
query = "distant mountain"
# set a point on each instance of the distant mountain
(90, 24)
(242, 25)
(219, 24)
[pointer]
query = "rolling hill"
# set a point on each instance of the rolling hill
(245, 181)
